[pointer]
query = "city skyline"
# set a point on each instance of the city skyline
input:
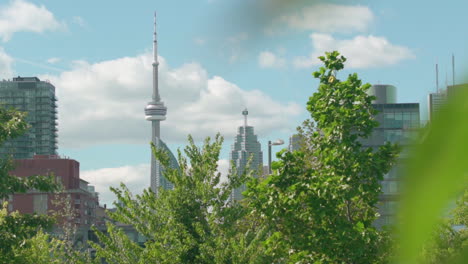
(101, 68)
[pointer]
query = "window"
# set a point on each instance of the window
(40, 203)
(406, 116)
(392, 187)
(398, 116)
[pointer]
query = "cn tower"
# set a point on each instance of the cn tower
(155, 112)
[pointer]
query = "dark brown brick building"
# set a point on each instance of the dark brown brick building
(80, 197)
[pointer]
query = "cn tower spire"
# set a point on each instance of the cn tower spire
(155, 112)
(156, 97)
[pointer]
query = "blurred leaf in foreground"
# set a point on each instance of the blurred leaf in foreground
(436, 173)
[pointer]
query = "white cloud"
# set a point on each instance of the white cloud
(223, 167)
(103, 103)
(136, 178)
(6, 61)
(361, 51)
(53, 60)
(328, 18)
(268, 59)
(20, 15)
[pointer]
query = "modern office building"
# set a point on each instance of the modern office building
(435, 101)
(155, 112)
(37, 98)
(246, 146)
(438, 99)
(294, 142)
(398, 123)
(78, 197)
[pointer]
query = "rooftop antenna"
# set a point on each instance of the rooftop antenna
(446, 80)
(453, 69)
(245, 113)
(437, 77)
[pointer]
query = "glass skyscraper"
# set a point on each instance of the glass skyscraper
(398, 123)
(37, 98)
(245, 146)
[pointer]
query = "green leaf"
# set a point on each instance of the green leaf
(435, 175)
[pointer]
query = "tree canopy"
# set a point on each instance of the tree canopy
(16, 228)
(320, 202)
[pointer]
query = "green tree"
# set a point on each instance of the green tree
(43, 248)
(193, 223)
(447, 243)
(320, 202)
(16, 228)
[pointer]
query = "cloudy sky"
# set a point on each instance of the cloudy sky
(217, 57)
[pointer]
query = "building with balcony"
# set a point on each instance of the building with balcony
(37, 98)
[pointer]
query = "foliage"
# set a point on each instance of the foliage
(436, 173)
(13, 124)
(191, 223)
(450, 239)
(45, 249)
(16, 228)
(320, 203)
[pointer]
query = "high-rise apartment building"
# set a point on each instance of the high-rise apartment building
(155, 111)
(37, 98)
(398, 123)
(246, 146)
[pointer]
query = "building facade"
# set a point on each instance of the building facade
(37, 98)
(435, 103)
(155, 112)
(246, 146)
(78, 197)
(437, 100)
(452, 90)
(398, 123)
(294, 142)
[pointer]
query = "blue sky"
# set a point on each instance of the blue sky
(217, 57)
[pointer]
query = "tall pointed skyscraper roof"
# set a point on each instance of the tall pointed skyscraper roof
(245, 146)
